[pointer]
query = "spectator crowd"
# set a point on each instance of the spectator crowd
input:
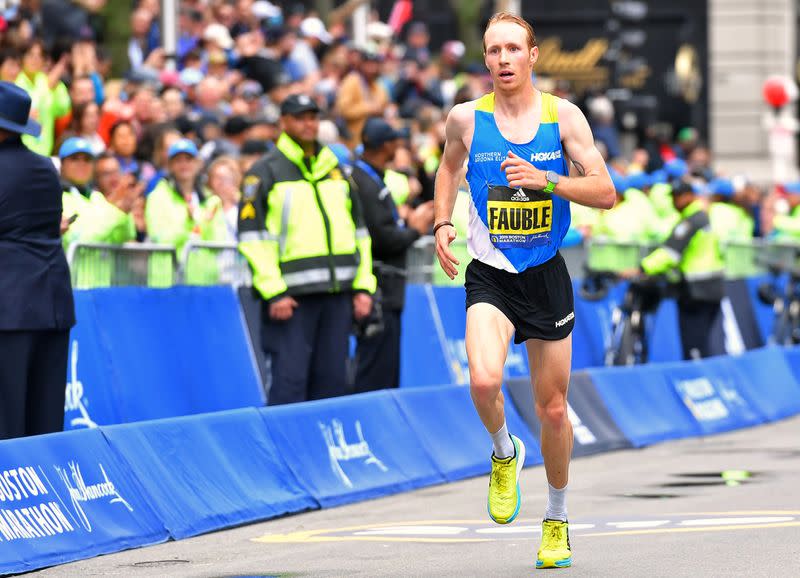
(163, 153)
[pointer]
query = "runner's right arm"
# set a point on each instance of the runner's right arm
(447, 180)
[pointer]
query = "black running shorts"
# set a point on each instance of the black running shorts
(538, 301)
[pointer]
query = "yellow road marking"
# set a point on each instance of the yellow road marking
(317, 536)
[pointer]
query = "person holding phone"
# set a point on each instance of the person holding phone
(36, 306)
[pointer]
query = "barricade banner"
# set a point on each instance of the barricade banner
(422, 338)
(203, 473)
(139, 354)
(350, 448)
(449, 304)
(715, 392)
(792, 355)
(593, 429)
(68, 496)
(772, 386)
(452, 432)
(643, 404)
(664, 336)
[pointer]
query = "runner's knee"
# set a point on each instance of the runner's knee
(485, 383)
(553, 412)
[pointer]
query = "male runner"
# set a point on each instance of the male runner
(520, 144)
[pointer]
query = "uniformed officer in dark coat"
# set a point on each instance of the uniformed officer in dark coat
(36, 307)
(378, 351)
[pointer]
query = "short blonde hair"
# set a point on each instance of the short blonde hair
(509, 17)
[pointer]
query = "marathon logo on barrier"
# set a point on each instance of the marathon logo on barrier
(583, 435)
(701, 399)
(39, 520)
(340, 451)
(546, 156)
(74, 399)
(80, 492)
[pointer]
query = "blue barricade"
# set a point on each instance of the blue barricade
(68, 496)
(643, 404)
(140, 354)
(203, 473)
(452, 432)
(424, 359)
(772, 385)
(716, 394)
(593, 429)
(351, 448)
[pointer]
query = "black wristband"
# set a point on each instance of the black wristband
(441, 224)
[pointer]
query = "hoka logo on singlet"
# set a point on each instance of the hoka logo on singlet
(546, 156)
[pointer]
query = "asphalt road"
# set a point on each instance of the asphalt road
(665, 510)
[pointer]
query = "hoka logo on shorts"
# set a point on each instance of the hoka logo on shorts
(567, 319)
(546, 156)
(339, 451)
(520, 196)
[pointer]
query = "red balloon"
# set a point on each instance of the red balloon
(775, 92)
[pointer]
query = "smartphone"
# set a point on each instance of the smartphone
(72, 218)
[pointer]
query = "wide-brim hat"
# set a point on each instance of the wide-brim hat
(15, 109)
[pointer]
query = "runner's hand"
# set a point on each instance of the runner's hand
(521, 173)
(444, 236)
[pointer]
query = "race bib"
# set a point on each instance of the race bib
(519, 218)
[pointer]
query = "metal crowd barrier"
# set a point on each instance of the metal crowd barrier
(94, 265)
(742, 258)
(209, 263)
(213, 263)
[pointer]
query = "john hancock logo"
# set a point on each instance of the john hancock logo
(80, 491)
(340, 451)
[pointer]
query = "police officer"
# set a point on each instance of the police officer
(693, 250)
(36, 307)
(301, 229)
(378, 352)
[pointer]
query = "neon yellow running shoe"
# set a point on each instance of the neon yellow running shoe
(504, 494)
(555, 551)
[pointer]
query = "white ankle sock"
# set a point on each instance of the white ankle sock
(556, 504)
(503, 446)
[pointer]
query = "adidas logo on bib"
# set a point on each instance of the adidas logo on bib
(519, 196)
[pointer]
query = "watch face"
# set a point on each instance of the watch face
(552, 176)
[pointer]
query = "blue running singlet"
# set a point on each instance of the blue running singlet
(514, 229)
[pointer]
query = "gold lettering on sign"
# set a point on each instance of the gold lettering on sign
(566, 63)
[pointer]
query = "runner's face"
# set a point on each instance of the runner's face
(507, 55)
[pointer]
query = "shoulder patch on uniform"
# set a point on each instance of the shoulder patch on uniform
(250, 187)
(248, 211)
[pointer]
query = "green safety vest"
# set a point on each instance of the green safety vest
(693, 249)
(98, 221)
(398, 185)
(169, 222)
(46, 106)
(301, 228)
(667, 216)
(621, 231)
(734, 226)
